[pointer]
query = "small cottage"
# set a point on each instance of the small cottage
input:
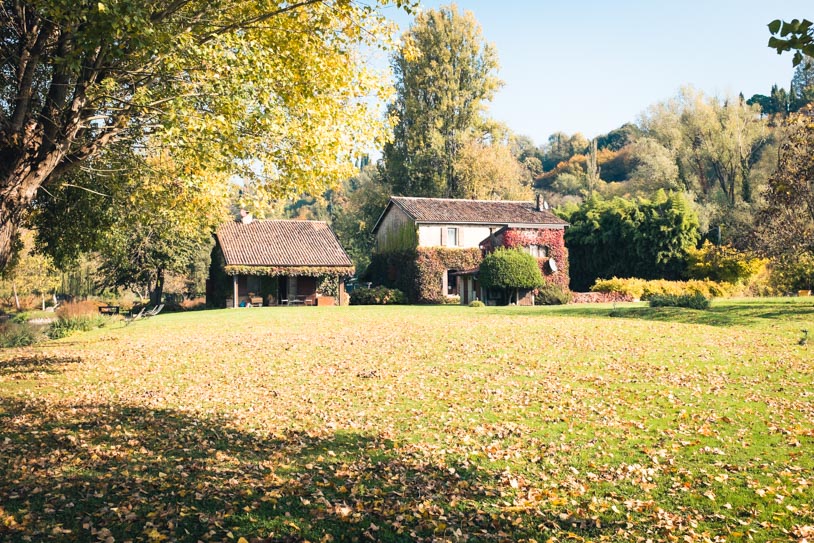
(277, 262)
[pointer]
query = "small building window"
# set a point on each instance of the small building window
(452, 237)
(538, 251)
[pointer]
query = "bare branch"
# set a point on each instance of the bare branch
(86, 189)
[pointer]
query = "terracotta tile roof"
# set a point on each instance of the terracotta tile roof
(446, 210)
(281, 243)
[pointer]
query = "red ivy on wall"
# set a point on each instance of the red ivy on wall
(553, 239)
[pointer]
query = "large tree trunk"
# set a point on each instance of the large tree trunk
(39, 144)
(19, 183)
(8, 231)
(158, 292)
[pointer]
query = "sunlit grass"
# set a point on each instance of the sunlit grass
(406, 423)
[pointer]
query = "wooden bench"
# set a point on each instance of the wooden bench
(109, 309)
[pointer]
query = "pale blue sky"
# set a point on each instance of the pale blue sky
(589, 66)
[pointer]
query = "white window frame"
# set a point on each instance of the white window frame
(456, 233)
(538, 251)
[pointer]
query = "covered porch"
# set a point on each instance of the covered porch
(285, 290)
(470, 289)
(466, 285)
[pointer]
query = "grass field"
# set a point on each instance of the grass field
(575, 423)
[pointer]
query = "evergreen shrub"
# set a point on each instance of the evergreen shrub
(510, 268)
(551, 294)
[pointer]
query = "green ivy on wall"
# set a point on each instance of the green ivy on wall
(328, 286)
(404, 238)
(419, 272)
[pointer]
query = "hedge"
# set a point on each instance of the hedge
(552, 294)
(644, 290)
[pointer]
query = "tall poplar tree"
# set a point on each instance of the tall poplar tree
(445, 72)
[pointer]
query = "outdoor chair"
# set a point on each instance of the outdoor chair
(154, 311)
(134, 317)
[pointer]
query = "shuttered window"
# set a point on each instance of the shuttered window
(452, 237)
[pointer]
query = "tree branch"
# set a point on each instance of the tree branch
(258, 19)
(25, 85)
(90, 148)
(57, 95)
(172, 8)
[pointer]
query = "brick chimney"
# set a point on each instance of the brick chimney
(245, 216)
(539, 206)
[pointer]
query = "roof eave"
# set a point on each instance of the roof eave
(379, 221)
(291, 265)
(309, 270)
(556, 226)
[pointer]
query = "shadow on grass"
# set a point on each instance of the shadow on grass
(722, 313)
(20, 366)
(91, 473)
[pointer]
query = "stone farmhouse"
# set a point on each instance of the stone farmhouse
(431, 247)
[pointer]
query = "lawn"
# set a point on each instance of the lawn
(575, 423)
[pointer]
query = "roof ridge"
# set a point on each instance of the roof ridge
(268, 221)
(282, 220)
(465, 200)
